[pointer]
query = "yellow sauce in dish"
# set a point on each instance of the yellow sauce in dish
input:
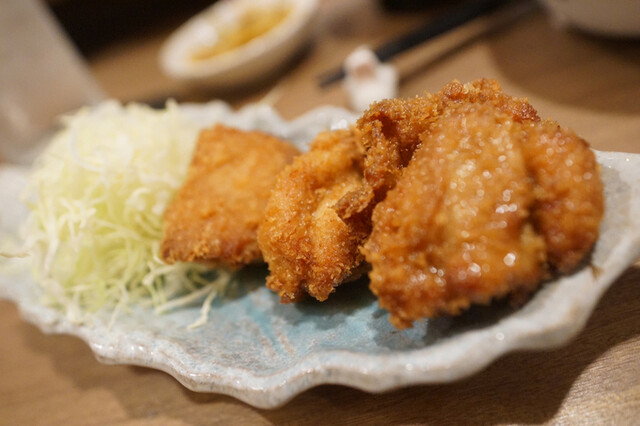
(252, 23)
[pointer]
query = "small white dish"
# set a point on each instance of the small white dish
(248, 61)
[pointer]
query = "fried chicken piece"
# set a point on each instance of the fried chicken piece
(215, 215)
(484, 206)
(391, 128)
(568, 190)
(308, 248)
(391, 131)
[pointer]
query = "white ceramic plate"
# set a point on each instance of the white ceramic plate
(264, 353)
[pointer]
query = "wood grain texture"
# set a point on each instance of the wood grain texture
(589, 84)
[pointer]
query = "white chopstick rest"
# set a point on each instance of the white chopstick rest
(368, 80)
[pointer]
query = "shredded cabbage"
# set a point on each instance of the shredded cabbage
(96, 199)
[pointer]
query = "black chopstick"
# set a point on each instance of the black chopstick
(442, 24)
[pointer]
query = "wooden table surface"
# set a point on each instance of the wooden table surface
(584, 82)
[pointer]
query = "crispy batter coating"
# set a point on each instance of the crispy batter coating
(568, 190)
(215, 215)
(455, 198)
(308, 248)
(391, 132)
(485, 202)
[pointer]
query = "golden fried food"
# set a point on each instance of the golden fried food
(308, 248)
(215, 215)
(485, 205)
(568, 190)
(391, 131)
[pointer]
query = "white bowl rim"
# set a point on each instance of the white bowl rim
(174, 53)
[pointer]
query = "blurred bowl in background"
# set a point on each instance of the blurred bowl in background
(618, 18)
(236, 42)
